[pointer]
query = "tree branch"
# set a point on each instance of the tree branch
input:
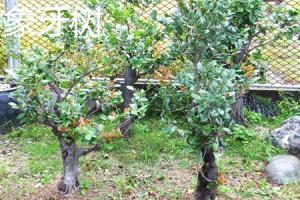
(85, 151)
(56, 90)
(262, 45)
(58, 98)
(57, 58)
(92, 113)
(50, 124)
(47, 121)
(73, 84)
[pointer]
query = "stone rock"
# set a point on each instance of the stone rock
(283, 169)
(8, 116)
(288, 135)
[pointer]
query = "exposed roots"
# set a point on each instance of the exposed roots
(67, 188)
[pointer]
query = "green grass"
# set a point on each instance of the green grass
(148, 142)
(41, 147)
(151, 164)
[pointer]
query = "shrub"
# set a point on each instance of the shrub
(288, 107)
(242, 134)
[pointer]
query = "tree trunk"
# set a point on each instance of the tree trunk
(207, 177)
(130, 76)
(237, 110)
(69, 182)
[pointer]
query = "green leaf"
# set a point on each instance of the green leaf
(197, 97)
(154, 14)
(21, 116)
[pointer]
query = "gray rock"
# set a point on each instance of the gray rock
(283, 169)
(288, 135)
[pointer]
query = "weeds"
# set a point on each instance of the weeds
(242, 134)
(288, 107)
(253, 117)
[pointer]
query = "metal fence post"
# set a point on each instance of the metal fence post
(13, 43)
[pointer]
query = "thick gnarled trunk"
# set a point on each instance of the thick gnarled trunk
(70, 155)
(69, 182)
(207, 177)
(237, 110)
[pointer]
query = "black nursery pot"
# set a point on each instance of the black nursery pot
(8, 116)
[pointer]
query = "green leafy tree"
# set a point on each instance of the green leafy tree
(213, 40)
(200, 33)
(56, 89)
(133, 42)
(206, 88)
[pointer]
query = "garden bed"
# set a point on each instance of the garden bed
(151, 165)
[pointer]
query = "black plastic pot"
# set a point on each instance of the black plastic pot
(8, 116)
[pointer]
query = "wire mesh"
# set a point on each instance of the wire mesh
(283, 57)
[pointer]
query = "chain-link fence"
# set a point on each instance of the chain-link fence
(283, 57)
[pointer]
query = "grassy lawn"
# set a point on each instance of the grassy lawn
(151, 165)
